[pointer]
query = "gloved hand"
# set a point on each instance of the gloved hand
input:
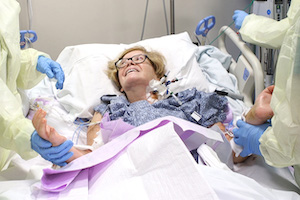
(57, 155)
(247, 136)
(238, 17)
(52, 69)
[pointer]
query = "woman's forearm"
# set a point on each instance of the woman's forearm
(93, 129)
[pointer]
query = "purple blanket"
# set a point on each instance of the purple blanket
(120, 135)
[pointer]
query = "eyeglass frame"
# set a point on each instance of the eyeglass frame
(132, 60)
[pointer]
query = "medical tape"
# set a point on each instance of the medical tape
(80, 127)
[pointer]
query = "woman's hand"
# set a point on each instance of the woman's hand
(261, 111)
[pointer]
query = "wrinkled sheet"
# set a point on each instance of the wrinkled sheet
(146, 162)
(153, 164)
(58, 180)
(161, 159)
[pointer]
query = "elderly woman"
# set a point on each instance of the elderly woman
(132, 72)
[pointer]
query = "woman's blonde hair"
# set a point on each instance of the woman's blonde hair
(156, 59)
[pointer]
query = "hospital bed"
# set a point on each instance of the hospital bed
(140, 164)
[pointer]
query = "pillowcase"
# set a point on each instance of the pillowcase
(86, 80)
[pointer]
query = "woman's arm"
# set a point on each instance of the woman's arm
(238, 159)
(93, 129)
(261, 110)
(50, 134)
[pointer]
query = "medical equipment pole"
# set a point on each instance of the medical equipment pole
(172, 16)
(274, 9)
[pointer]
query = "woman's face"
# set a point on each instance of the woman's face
(132, 75)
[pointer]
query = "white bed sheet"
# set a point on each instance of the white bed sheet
(78, 99)
(86, 81)
(254, 167)
(155, 166)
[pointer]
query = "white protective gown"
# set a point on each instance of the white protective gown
(17, 70)
(280, 144)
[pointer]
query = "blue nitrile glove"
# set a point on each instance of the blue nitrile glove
(238, 17)
(57, 155)
(247, 136)
(52, 69)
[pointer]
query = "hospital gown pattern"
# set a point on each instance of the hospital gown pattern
(211, 107)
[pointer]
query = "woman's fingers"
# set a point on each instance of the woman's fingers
(40, 123)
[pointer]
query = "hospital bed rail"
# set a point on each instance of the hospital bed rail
(247, 68)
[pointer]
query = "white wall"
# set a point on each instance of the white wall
(61, 23)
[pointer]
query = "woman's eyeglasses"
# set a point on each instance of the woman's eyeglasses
(137, 59)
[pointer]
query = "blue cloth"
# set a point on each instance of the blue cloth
(212, 108)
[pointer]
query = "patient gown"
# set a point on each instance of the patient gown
(195, 106)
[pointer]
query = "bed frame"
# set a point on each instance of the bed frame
(247, 68)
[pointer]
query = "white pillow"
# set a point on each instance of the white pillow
(86, 80)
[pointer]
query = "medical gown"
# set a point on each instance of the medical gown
(280, 144)
(17, 71)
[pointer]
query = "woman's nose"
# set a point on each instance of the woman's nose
(129, 62)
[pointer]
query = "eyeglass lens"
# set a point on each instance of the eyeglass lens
(137, 59)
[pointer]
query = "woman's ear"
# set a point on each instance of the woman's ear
(121, 90)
